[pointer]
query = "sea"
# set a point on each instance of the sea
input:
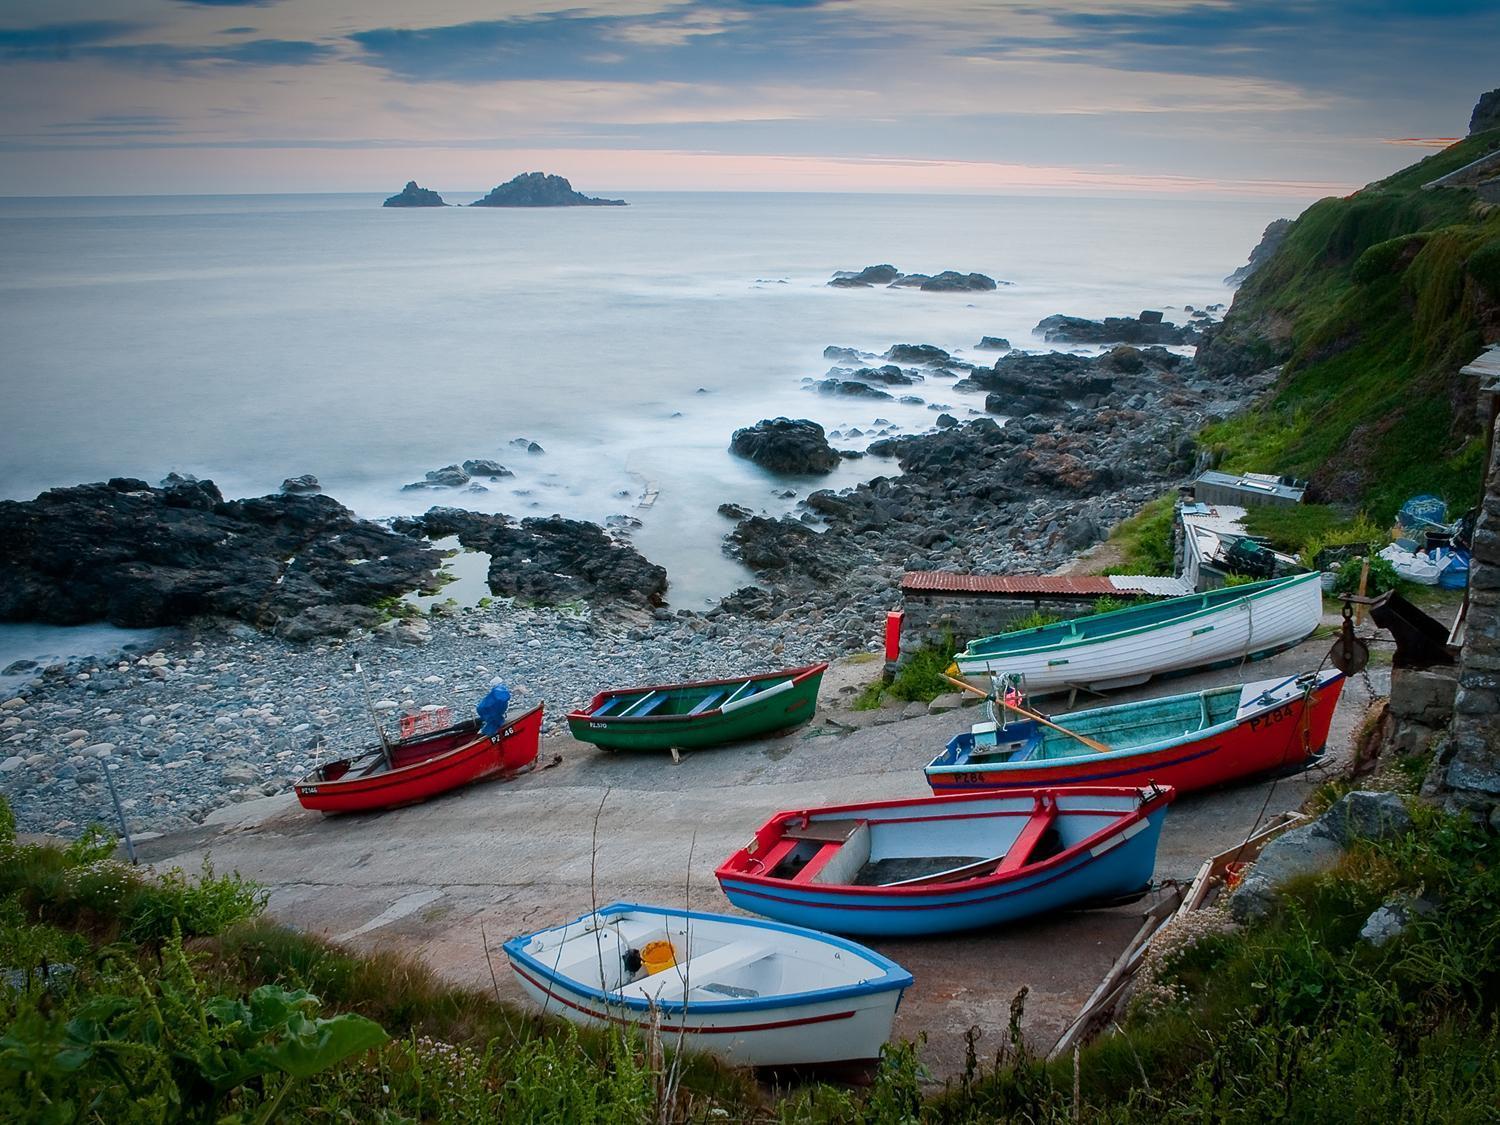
(247, 339)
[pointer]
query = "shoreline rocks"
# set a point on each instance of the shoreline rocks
(949, 281)
(136, 556)
(1148, 328)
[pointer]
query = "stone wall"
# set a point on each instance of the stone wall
(1471, 777)
(931, 619)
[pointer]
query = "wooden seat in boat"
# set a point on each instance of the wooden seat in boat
(671, 984)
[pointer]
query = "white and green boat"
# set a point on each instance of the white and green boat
(1129, 646)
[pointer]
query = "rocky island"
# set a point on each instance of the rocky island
(413, 196)
(538, 189)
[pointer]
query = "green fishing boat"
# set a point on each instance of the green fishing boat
(695, 715)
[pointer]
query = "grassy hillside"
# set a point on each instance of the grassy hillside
(1373, 303)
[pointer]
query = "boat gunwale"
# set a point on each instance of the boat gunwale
(376, 781)
(1202, 734)
(1123, 821)
(797, 677)
(1072, 640)
(892, 976)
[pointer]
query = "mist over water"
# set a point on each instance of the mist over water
(248, 339)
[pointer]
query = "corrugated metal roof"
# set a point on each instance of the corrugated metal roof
(1037, 585)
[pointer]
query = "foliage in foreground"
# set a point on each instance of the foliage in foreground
(1145, 539)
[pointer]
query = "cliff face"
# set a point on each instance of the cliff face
(1372, 303)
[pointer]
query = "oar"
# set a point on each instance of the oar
(1032, 715)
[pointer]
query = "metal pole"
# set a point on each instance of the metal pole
(119, 812)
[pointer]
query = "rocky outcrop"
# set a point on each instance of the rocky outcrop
(786, 445)
(949, 281)
(449, 476)
(537, 189)
(1486, 113)
(137, 556)
(548, 560)
(1270, 242)
(1312, 849)
(304, 484)
(413, 196)
(865, 278)
(993, 344)
(1148, 328)
(850, 388)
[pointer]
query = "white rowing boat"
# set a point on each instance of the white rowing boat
(755, 993)
(1129, 646)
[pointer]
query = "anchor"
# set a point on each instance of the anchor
(1349, 654)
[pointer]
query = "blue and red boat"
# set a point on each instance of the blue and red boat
(933, 865)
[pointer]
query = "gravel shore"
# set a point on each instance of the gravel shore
(218, 715)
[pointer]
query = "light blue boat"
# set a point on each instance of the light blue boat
(938, 864)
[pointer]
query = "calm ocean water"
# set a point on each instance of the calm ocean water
(252, 338)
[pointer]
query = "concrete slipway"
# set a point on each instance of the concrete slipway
(500, 859)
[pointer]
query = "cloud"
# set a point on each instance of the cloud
(60, 40)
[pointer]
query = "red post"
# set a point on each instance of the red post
(893, 620)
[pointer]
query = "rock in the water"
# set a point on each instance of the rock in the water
(449, 476)
(735, 512)
(482, 467)
(136, 557)
(925, 354)
(786, 445)
(413, 196)
(851, 388)
(537, 189)
(951, 281)
(870, 275)
(301, 485)
(993, 344)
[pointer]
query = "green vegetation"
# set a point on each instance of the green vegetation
(1297, 1019)
(1145, 539)
(1033, 620)
(920, 676)
(1308, 530)
(1374, 302)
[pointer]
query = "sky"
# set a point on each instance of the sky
(1235, 98)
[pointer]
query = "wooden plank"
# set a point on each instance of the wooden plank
(828, 831)
(706, 702)
(637, 703)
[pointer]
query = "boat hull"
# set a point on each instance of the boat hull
(827, 1026)
(1281, 738)
(1114, 863)
(754, 718)
(421, 774)
(1270, 618)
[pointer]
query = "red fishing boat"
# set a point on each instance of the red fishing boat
(1192, 741)
(413, 769)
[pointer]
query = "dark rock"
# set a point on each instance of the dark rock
(549, 559)
(950, 281)
(1275, 234)
(1113, 330)
(870, 275)
(849, 388)
(735, 512)
(910, 400)
(785, 445)
(786, 545)
(537, 189)
(327, 620)
(946, 421)
(924, 354)
(1362, 815)
(993, 344)
(1150, 316)
(301, 485)
(136, 557)
(911, 281)
(413, 196)
(449, 476)
(1486, 113)
(847, 355)
(527, 444)
(888, 374)
(482, 467)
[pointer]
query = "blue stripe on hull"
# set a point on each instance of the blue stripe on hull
(1124, 868)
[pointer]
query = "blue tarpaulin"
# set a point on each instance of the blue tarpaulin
(492, 708)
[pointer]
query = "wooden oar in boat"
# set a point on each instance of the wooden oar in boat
(1032, 715)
